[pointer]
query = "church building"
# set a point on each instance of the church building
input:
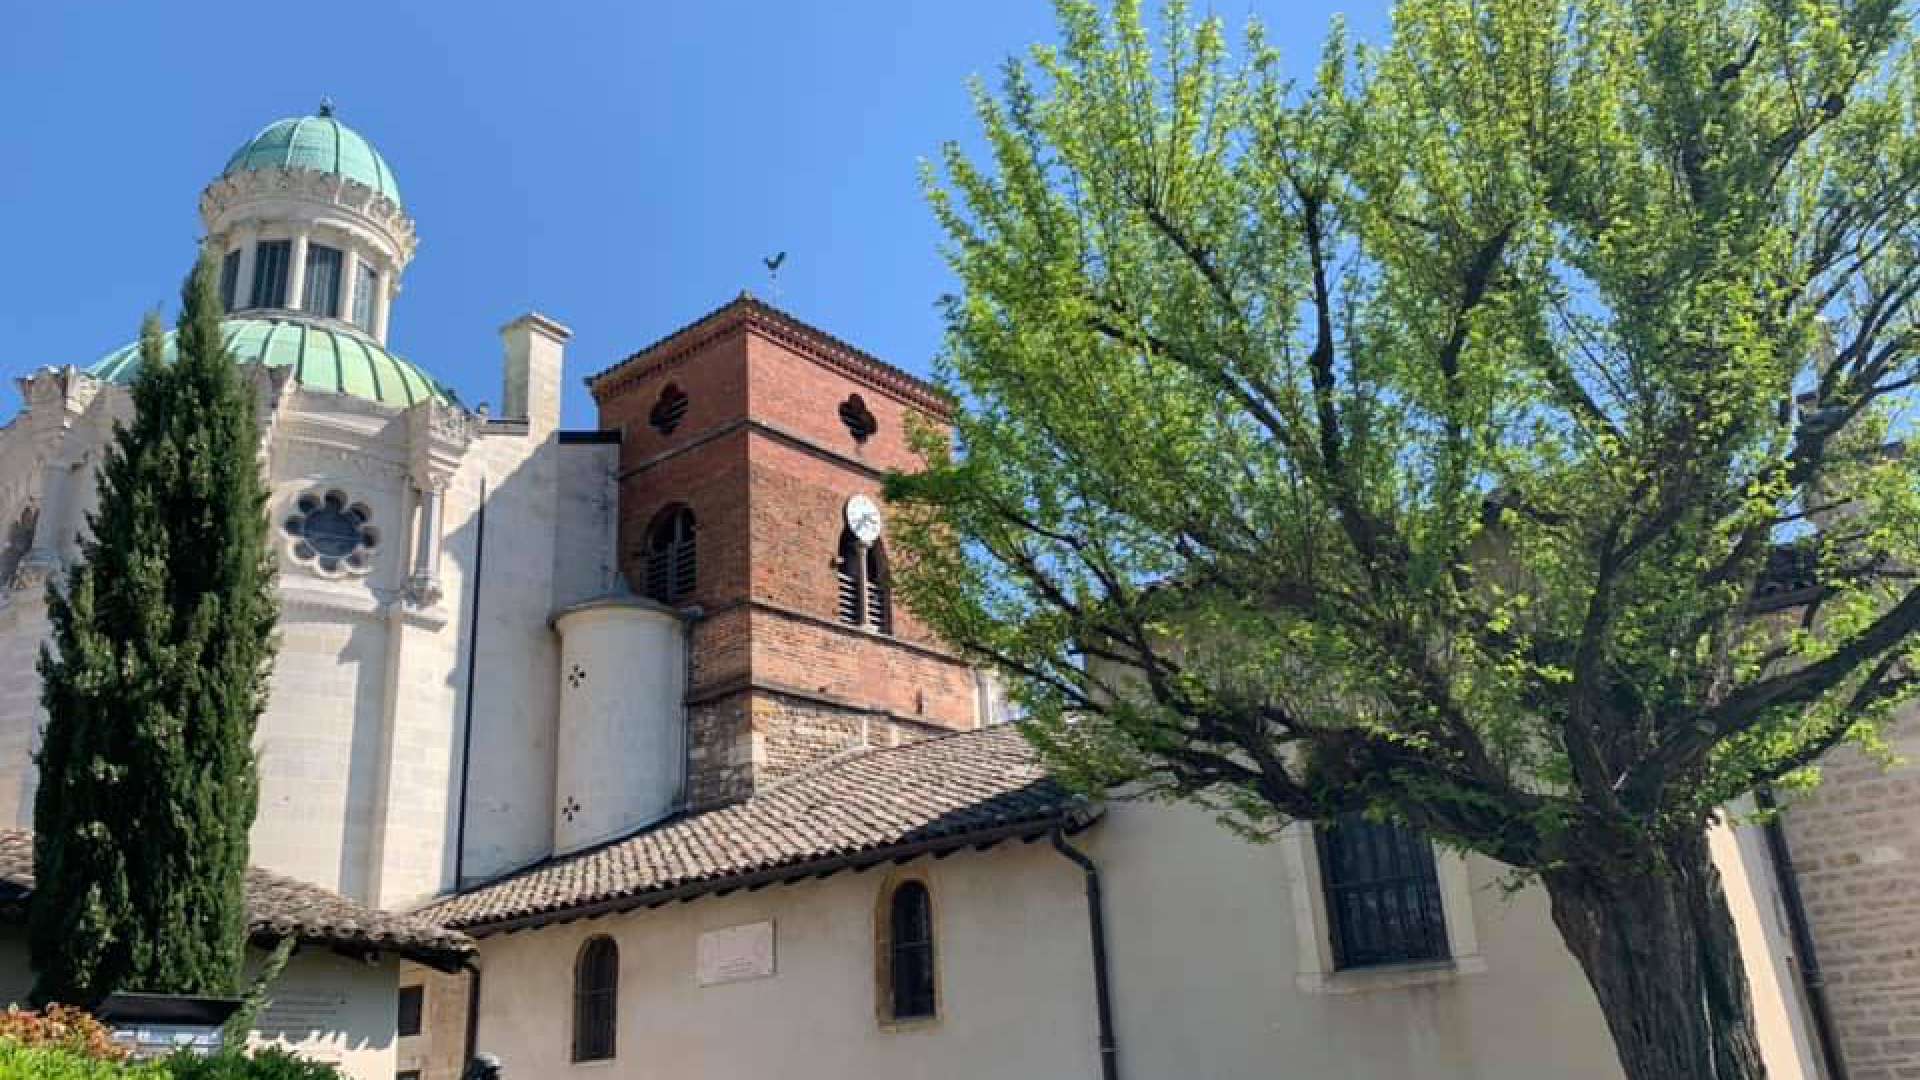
(612, 749)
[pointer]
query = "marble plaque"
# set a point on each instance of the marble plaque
(736, 953)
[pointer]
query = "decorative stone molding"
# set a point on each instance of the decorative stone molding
(438, 436)
(362, 204)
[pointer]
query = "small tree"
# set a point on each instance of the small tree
(162, 642)
(1434, 439)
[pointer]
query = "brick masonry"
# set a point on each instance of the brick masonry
(765, 462)
(1856, 847)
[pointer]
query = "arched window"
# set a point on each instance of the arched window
(669, 556)
(596, 999)
(864, 592)
(907, 979)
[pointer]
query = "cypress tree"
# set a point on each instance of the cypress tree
(156, 676)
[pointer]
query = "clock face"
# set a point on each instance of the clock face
(863, 517)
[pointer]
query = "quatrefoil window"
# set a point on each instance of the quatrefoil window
(576, 676)
(332, 533)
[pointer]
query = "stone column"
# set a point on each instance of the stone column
(349, 266)
(383, 289)
(424, 582)
(297, 272)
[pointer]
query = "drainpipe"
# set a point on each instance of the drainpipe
(473, 1013)
(1097, 929)
(466, 728)
(1812, 980)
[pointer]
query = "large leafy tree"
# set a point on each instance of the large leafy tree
(1492, 431)
(162, 641)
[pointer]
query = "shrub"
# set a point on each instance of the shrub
(62, 1027)
(19, 1061)
(270, 1063)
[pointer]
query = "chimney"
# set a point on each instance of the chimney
(536, 349)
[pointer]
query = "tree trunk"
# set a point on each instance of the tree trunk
(1657, 944)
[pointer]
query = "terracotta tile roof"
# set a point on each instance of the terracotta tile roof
(276, 907)
(938, 794)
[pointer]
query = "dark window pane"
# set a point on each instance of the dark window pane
(1383, 894)
(412, 1001)
(270, 259)
(323, 281)
(596, 991)
(229, 279)
(910, 963)
(365, 281)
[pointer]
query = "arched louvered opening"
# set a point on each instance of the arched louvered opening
(670, 556)
(864, 595)
(596, 999)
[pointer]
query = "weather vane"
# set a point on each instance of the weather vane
(773, 272)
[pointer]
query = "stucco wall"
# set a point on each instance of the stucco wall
(323, 1006)
(1205, 972)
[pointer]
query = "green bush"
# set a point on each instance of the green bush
(270, 1063)
(19, 1061)
(53, 1062)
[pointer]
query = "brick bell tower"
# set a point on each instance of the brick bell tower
(752, 451)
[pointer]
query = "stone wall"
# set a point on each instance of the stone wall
(1856, 846)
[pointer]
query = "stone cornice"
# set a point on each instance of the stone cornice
(750, 314)
(359, 202)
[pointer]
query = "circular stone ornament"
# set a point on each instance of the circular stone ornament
(331, 534)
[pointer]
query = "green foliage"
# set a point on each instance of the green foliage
(260, 992)
(61, 1027)
(270, 1063)
(157, 673)
(21, 1061)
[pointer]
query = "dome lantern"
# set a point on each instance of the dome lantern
(306, 220)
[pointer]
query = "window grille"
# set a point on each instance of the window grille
(270, 259)
(323, 281)
(1383, 895)
(670, 556)
(910, 952)
(596, 998)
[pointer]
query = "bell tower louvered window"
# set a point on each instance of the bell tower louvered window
(861, 573)
(1383, 894)
(670, 565)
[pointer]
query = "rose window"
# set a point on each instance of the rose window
(332, 534)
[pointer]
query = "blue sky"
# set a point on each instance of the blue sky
(622, 167)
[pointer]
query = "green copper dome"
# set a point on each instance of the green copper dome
(322, 358)
(317, 142)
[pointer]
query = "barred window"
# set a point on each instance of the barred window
(909, 956)
(323, 281)
(670, 556)
(596, 999)
(270, 259)
(1383, 894)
